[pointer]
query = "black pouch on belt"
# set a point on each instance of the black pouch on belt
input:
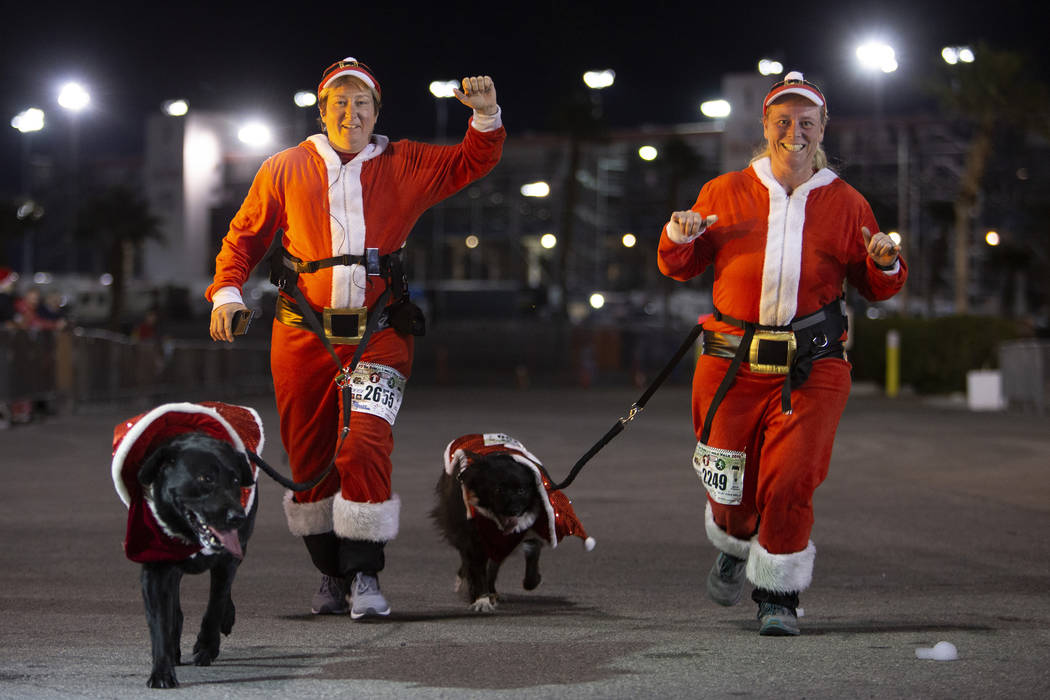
(406, 318)
(815, 342)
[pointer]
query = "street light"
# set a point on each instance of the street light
(255, 134)
(648, 153)
(715, 109)
(29, 120)
(535, 189)
(74, 98)
(769, 67)
(443, 88)
(304, 99)
(877, 55)
(176, 108)
(957, 54)
(599, 79)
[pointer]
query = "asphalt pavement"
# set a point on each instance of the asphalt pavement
(932, 526)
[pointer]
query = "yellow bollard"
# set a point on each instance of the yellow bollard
(893, 363)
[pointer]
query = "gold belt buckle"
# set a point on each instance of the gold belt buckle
(346, 325)
(786, 337)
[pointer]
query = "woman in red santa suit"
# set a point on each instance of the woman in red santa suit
(783, 236)
(345, 201)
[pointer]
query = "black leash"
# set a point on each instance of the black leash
(289, 284)
(283, 480)
(635, 409)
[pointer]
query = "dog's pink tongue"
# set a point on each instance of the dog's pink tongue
(230, 541)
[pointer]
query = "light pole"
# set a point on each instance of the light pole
(304, 100)
(74, 98)
(28, 122)
(442, 90)
(876, 56)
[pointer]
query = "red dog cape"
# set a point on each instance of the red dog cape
(558, 519)
(147, 539)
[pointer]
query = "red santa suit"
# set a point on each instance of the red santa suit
(558, 519)
(776, 258)
(328, 208)
(147, 538)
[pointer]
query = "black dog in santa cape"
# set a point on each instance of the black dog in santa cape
(492, 496)
(183, 471)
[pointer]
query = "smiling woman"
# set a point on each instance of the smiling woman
(783, 236)
(344, 203)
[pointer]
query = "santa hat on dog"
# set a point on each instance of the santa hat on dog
(147, 540)
(561, 520)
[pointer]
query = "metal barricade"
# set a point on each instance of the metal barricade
(85, 367)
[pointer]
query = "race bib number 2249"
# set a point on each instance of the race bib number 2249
(721, 472)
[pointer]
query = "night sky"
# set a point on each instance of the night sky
(668, 56)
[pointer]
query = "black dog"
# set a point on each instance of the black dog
(503, 493)
(494, 495)
(194, 484)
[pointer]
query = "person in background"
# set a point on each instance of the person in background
(346, 200)
(8, 296)
(783, 236)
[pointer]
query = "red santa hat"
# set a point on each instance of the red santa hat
(794, 84)
(561, 518)
(134, 439)
(7, 276)
(349, 66)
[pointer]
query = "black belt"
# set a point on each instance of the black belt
(774, 356)
(788, 350)
(341, 326)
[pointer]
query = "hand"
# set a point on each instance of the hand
(222, 321)
(478, 93)
(686, 226)
(881, 248)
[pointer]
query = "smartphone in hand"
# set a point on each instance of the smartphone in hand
(241, 320)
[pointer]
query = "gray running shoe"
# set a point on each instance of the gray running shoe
(330, 598)
(365, 598)
(777, 620)
(725, 581)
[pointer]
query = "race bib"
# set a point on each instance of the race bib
(490, 439)
(377, 390)
(721, 472)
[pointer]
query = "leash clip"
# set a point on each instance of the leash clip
(342, 380)
(631, 413)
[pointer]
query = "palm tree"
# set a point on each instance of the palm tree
(992, 94)
(118, 220)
